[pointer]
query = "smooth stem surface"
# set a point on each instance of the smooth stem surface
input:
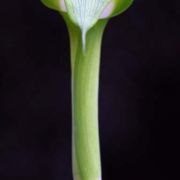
(85, 83)
(85, 62)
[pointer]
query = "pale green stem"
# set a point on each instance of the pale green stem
(85, 65)
(85, 83)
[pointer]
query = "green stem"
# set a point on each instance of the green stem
(85, 82)
(85, 62)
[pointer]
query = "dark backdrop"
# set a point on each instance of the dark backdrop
(139, 93)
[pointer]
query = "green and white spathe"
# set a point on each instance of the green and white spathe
(85, 13)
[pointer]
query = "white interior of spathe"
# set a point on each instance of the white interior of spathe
(85, 13)
(104, 14)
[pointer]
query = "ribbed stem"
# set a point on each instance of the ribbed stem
(85, 84)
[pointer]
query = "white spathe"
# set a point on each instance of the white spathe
(85, 13)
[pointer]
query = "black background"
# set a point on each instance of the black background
(139, 93)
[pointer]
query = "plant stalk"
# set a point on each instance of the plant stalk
(85, 65)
